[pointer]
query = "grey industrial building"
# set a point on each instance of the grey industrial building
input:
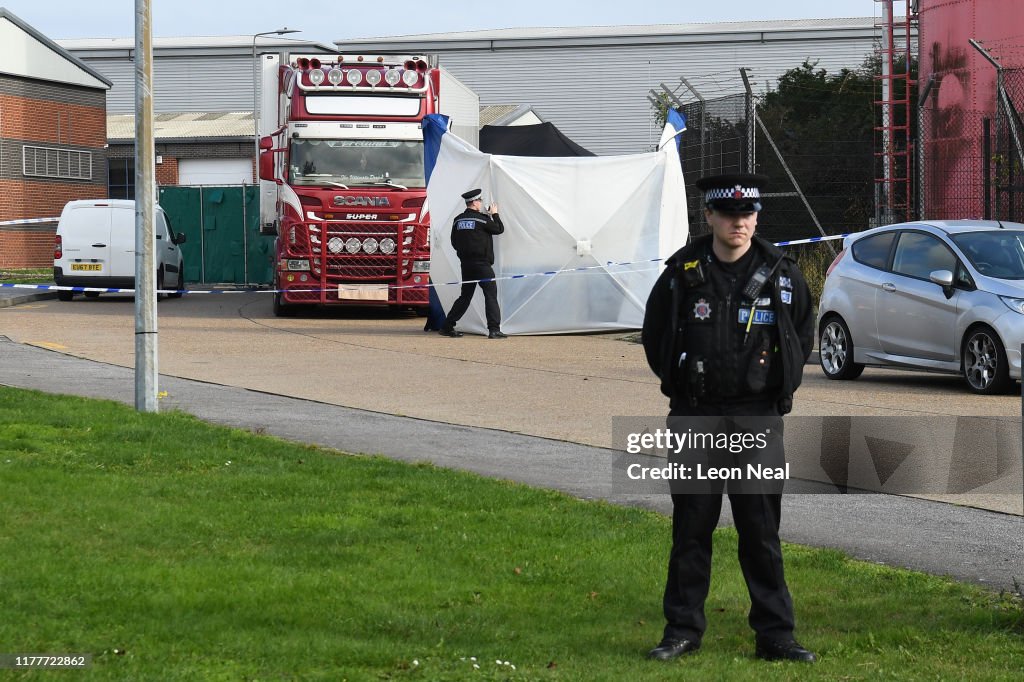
(202, 99)
(593, 82)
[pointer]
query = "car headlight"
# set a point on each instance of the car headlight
(1014, 304)
(370, 245)
(387, 245)
(336, 245)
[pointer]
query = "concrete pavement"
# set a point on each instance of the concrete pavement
(967, 544)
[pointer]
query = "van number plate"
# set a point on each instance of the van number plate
(88, 267)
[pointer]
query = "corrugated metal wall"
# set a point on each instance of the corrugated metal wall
(598, 95)
(195, 83)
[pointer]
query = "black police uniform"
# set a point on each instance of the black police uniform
(712, 363)
(472, 237)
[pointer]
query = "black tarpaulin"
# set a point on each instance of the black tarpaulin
(542, 139)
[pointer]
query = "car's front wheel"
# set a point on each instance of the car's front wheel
(984, 360)
(180, 291)
(835, 350)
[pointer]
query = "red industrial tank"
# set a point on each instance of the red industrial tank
(964, 96)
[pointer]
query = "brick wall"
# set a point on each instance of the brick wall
(23, 199)
(27, 249)
(55, 123)
(167, 171)
(45, 114)
(173, 152)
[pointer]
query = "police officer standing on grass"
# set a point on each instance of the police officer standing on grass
(472, 237)
(728, 329)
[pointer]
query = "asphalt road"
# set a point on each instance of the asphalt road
(533, 409)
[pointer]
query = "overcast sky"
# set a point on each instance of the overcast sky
(329, 21)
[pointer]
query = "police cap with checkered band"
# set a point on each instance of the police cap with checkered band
(736, 193)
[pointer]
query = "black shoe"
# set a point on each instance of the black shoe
(673, 648)
(497, 334)
(450, 331)
(783, 650)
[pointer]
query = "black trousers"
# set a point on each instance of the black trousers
(757, 517)
(476, 271)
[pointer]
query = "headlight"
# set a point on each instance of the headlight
(391, 77)
(316, 76)
(298, 264)
(336, 245)
(370, 245)
(334, 76)
(373, 77)
(352, 245)
(387, 245)
(354, 77)
(410, 78)
(1014, 304)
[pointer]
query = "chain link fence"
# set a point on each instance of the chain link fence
(972, 166)
(836, 176)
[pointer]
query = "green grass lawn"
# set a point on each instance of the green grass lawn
(27, 276)
(170, 549)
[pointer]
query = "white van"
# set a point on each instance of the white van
(95, 247)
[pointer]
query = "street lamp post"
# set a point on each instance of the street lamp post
(256, 93)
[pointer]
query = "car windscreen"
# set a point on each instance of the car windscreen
(999, 253)
(352, 163)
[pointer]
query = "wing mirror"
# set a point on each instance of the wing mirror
(944, 278)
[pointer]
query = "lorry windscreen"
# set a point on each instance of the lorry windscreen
(353, 163)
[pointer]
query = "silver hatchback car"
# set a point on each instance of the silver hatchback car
(936, 295)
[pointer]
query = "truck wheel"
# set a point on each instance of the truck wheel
(65, 295)
(281, 309)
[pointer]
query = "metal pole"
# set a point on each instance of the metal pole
(921, 100)
(245, 242)
(792, 178)
(703, 125)
(146, 365)
(986, 152)
(751, 131)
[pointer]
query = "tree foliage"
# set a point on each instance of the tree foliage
(825, 127)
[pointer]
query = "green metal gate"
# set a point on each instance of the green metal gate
(224, 245)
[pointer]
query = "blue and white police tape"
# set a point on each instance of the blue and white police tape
(28, 221)
(814, 240)
(251, 289)
(244, 290)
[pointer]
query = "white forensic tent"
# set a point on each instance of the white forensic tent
(617, 216)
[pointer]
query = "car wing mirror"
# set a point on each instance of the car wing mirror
(179, 238)
(944, 278)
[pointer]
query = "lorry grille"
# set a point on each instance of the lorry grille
(360, 265)
(355, 264)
